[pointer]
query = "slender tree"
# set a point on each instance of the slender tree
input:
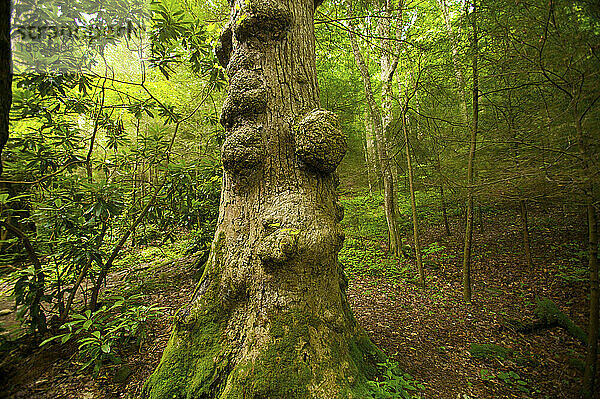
(381, 116)
(270, 318)
(466, 270)
(413, 202)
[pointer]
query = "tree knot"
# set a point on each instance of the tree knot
(320, 142)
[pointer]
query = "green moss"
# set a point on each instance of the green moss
(288, 365)
(547, 311)
(282, 370)
(366, 356)
(195, 358)
(197, 361)
(487, 351)
(320, 142)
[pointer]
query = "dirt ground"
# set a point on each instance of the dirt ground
(427, 331)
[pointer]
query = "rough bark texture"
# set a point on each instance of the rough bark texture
(5, 74)
(270, 318)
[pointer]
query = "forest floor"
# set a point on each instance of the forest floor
(428, 331)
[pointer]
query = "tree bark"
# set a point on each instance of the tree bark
(438, 169)
(591, 358)
(466, 270)
(270, 317)
(5, 74)
(373, 170)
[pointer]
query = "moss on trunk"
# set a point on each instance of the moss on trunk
(270, 317)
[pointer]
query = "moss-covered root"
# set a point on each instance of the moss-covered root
(195, 360)
(486, 351)
(547, 311)
(295, 365)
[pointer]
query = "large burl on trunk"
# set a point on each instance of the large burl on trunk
(270, 317)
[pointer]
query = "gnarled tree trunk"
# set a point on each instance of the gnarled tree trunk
(270, 318)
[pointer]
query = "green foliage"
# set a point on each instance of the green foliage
(364, 216)
(435, 251)
(179, 35)
(95, 150)
(102, 333)
(394, 383)
(26, 291)
(571, 264)
(510, 378)
(363, 256)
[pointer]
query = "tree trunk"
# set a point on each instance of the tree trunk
(466, 270)
(5, 74)
(371, 157)
(591, 358)
(444, 211)
(270, 317)
(389, 194)
(525, 227)
(413, 204)
(438, 168)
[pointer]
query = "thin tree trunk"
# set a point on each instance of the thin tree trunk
(88, 158)
(591, 358)
(438, 168)
(413, 204)
(35, 310)
(466, 269)
(371, 156)
(525, 228)
(444, 211)
(390, 203)
(65, 313)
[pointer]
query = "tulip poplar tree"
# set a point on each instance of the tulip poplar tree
(269, 317)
